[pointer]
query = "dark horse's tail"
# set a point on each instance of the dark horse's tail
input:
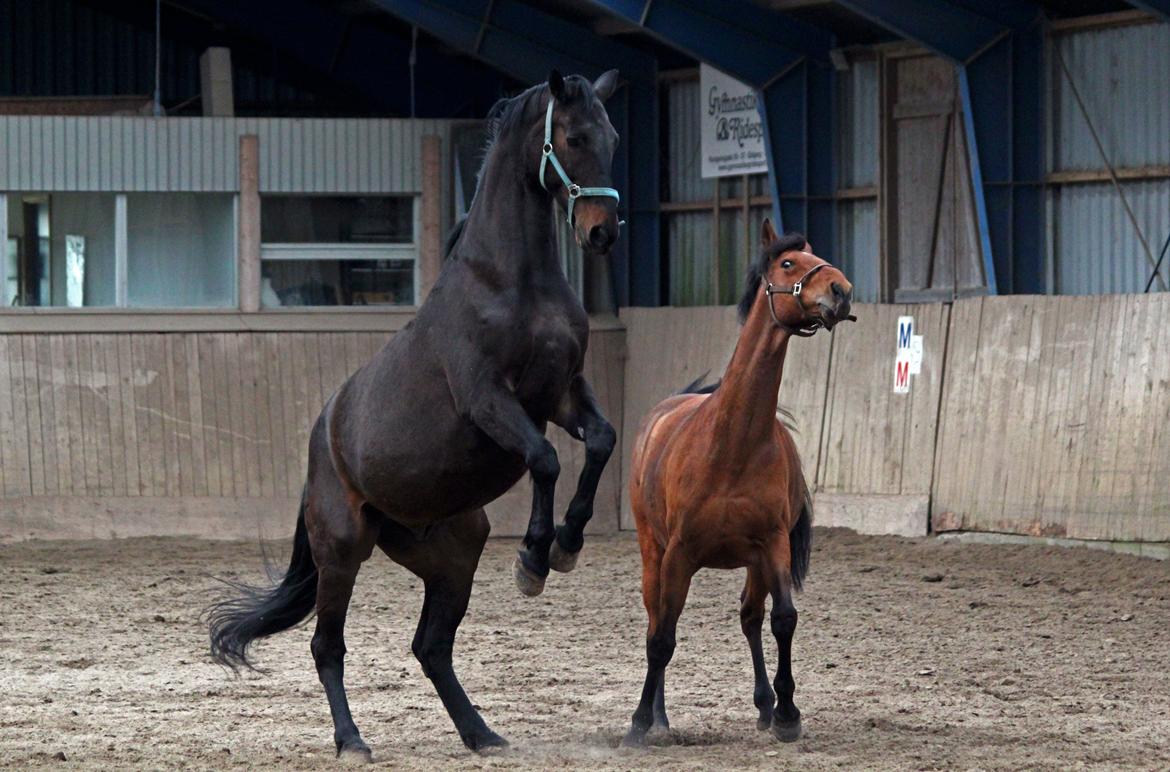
(257, 612)
(800, 537)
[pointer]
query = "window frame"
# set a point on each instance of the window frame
(342, 251)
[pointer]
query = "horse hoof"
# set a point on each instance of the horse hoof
(560, 559)
(786, 731)
(354, 752)
(485, 743)
(635, 738)
(527, 581)
(763, 724)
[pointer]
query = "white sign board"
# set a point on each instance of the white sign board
(731, 130)
(908, 356)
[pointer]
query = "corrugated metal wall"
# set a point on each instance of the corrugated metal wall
(63, 47)
(858, 237)
(1123, 75)
(130, 154)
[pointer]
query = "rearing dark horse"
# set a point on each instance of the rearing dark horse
(452, 411)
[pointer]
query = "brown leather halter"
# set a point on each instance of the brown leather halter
(804, 332)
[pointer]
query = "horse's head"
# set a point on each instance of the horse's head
(582, 142)
(805, 292)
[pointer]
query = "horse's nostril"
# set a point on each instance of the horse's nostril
(600, 237)
(839, 291)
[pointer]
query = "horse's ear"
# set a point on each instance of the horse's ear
(556, 85)
(606, 85)
(768, 235)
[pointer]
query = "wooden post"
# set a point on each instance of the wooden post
(249, 223)
(431, 243)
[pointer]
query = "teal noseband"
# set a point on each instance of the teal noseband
(575, 190)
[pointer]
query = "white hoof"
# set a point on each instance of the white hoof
(528, 583)
(562, 560)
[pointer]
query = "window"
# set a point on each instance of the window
(181, 250)
(338, 250)
(59, 249)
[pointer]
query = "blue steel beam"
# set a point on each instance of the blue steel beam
(526, 43)
(1159, 7)
(954, 31)
(351, 55)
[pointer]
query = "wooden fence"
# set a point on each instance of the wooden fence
(1031, 415)
(199, 433)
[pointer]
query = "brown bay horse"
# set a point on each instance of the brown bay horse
(452, 411)
(716, 482)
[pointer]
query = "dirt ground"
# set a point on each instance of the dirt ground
(909, 654)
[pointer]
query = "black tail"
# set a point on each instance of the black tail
(696, 386)
(800, 542)
(261, 611)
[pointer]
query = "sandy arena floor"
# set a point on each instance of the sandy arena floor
(909, 654)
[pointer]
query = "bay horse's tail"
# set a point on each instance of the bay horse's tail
(261, 611)
(800, 542)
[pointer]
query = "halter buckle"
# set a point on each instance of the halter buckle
(548, 148)
(796, 288)
(574, 190)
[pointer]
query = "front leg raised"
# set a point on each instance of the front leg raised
(501, 417)
(583, 420)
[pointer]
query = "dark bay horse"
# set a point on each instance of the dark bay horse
(452, 411)
(715, 482)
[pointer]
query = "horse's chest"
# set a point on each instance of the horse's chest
(551, 357)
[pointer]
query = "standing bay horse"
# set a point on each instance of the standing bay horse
(452, 411)
(715, 481)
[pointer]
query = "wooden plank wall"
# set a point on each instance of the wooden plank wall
(670, 347)
(877, 447)
(1054, 417)
(195, 433)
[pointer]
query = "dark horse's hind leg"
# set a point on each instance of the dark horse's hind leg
(751, 619)
(445, 559)
(341, 541)
(582, 420)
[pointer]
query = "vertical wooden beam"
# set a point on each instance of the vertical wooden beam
(249, 225)
(431, 242)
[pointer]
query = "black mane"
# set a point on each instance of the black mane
(759, 267)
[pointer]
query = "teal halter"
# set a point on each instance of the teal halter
(575, 190)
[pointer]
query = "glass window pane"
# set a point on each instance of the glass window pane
(60, 250)
(337, 283)
(337, 220)
(181, 250)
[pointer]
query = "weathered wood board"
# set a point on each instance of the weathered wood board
(149, 430)
(1054, 417)
(876, 442)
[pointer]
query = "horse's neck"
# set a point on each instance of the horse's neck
(510, 224)
(745, 402)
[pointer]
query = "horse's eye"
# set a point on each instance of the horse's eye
(576, 141)
(786, 264)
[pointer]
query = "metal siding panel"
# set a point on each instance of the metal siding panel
(1123, 74)
(859, 125)
(1095, 247)
(858, 243)
(683, 147)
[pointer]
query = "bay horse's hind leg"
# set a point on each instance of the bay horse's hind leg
(445, 559)
(786, 721)
(581, 418)
(751, 620)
